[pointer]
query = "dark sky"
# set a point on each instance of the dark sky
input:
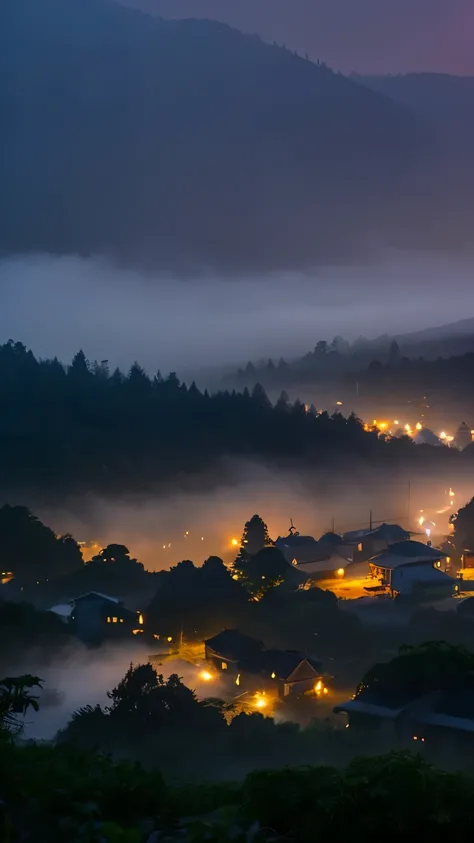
(367, 36)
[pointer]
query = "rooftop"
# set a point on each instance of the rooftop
(282, 663)
(234, 645)
(94, 595)
(405, 553)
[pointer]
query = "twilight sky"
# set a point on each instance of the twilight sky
(366, 36)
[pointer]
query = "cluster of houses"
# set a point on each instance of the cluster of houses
(387, 553)
(270, 674)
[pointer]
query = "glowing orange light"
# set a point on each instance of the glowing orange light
(205, 675)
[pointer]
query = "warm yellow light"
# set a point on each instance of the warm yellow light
(237, 681)
(421, 521)
(205, 675)
(419, 425)
(407, 428)
(318, 686)
(451, 493)
(260, 702)
(140, 619)
(382, 425)
(325, 691)
(443, 435)
(169, 639)
(340, 572)
(395, 421)
(137, 631)
(234, 543)
(273, 675)
(338, 403)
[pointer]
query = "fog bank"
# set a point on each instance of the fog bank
(56, 305)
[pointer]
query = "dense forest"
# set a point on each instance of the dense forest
(379, 370)
(81, 427)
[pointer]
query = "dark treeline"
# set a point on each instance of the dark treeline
(379, 371)
(81, 427)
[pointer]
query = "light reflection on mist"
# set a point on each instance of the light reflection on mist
(84, 677)
(57, 304)
(218, 509)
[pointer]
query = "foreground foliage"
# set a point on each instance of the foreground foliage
(58, 795)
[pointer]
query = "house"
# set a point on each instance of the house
(333, 565)
(372, 711)
(296, 548)
(411, 567)
(313, 559)
(442, 718)
(280, 672)
(368, 542)
(227, 649)
(94, 616)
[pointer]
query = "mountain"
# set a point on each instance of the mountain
(448, 103)
(187, 143)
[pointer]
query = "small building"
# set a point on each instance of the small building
(228, 648)
(333, 565)
(298, 548)
(313, 559)
(368, 542)
(374, 711)
(280, 673)
(94, 617)
(443, 719)
(425, 436)
(410, 567)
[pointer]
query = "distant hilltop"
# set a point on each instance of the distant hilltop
(187, 144)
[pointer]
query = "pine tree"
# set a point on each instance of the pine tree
(254, 537)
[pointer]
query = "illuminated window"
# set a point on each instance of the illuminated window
(359, 547)
(114, 620)
(121, 620)
(140, 619)
(237, 681)
(224, 665)
(108, 620)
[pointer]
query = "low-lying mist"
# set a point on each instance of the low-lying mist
(81, 676)
(58, 304)
(201, 517)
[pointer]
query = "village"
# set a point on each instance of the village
(380, 574)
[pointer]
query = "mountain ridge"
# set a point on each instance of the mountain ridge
(187, 143)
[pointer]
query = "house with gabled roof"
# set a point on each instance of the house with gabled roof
(408, 567)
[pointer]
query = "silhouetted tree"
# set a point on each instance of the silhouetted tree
(30, 550)
(463, 523)
(394, 355)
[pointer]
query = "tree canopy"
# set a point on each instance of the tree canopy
(30, 550)
(418, 670)
(78, 427)
(463, 523)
